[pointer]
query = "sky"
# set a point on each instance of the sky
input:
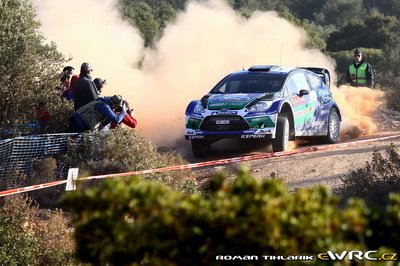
(206, 42)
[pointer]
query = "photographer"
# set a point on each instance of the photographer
(98, 113)
(128, 119)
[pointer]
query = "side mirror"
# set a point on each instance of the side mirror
(303, 92)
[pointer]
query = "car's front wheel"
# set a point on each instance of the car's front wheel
(333, 127)
(200, 148)
(281, 141)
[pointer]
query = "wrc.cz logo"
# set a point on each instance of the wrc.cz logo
(371, 255)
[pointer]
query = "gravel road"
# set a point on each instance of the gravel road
(300, 170)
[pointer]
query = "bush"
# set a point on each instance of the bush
(54, 231)
(374, 182)
(121, 223)
(30, 236)
(124, 150)
(43, 171)
(18, 246)
(383, 224)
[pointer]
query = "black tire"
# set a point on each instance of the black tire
(200, 148)
(281, 141)
(332, 135)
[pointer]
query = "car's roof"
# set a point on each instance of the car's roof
(271, 69)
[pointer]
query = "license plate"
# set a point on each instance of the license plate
(222, 122)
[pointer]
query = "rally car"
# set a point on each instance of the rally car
(265, 102)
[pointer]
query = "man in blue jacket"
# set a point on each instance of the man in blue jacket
(97, 113)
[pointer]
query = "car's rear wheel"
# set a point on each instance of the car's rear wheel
(333, 127)
(200, 148)
(281, 141)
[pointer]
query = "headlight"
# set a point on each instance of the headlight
(199, 108)
(258, 107)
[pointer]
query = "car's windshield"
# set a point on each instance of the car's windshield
(250, 83)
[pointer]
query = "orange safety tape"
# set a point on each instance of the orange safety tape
(202, 164)
(30, 188)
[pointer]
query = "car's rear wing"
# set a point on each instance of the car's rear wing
(323, 73)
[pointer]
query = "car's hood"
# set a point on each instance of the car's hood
(233, 101)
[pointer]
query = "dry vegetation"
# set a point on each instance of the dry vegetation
(30, 235)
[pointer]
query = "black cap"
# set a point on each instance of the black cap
(99, 82)
(116, 100)
(357, 52)
(68, 69)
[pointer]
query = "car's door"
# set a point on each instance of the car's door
(324, 97)
(303, 100)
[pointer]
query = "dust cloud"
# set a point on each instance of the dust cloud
(93, 32)
(357, 106)
(206, 42)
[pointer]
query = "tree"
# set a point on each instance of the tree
(246, 7)
(382, 5)
(339, 12)
(305, 9)
(28, 66)
(383, 29)
(395, 8)
(140, 15)
(150, 16)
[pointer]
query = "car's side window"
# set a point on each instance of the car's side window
(222, 88)
(315, 81)
(297, 82)
(291, 87)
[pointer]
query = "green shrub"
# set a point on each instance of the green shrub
(30, 236)
(383, 224)
(18, 245)
(43, 171)
(375, 180)
(135, 221)
(54, 231)
(124, 150)
(376, 184)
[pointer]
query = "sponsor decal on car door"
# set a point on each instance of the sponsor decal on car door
(303, 106)
(303, 109)
(304, 114)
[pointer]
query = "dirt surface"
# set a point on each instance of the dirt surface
(299, 170)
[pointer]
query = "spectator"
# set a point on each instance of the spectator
(65, 80)
(128, 119)
(97, 113)
(99, 84)
(42, 116)
(70, 93)
(360, 72)
(84, 89)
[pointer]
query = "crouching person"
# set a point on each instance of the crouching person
(128, 120)
(97, 113)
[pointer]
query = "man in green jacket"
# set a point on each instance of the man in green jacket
(360, 73)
